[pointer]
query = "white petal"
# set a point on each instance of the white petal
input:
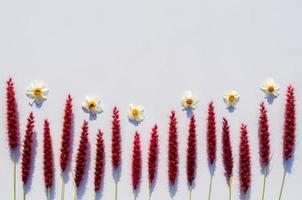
(140, 108)
(130, 116)
(184, 103)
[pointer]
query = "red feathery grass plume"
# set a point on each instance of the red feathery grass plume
(191, 152)
(27, 148)
(264, 137)
(153, 155)
(48, 157)
(136, 162)
(244, 160)
(211, 134)
(173, 149)
(81, 157)
(66, 134)
(289, 129)
(227, 154)
(211, 142)
(99, 161)
(12, 116)
(116, 139)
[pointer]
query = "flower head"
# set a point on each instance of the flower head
(270, 88)
(173, 157)
(92, 105)
(136, 166)
(153, 155)
(289, 127)
(231, 98)
(37, 92)
(136, 113)
(244, 160)
(189, 100)
(12, 116)
(227, 155)
(116, 148)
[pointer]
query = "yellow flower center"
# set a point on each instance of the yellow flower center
(232, 98)
(37, 92)
(271, 88)
(135, 112)
(189, 101)
(91, 105)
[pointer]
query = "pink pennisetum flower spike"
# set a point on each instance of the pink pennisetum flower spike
(66, 141)
(289, 131)
(99, 170)
(244, 161)
(173, 149)
(136, 168)
(81, 157)
(153, 157)
(211, 142)
(191, 153)
(27, 151)
(116, 148)
(227, 154)
(48, 159)
(66, 134)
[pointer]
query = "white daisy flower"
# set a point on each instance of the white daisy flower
(270, 88)
(231, 98)
(189, 100)
(92, 104)
(136, 113)
(37, 92)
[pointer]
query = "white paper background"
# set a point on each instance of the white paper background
(150, 52)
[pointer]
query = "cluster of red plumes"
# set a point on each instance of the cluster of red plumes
(211, 134)
(48, 157)
(173, 149)
(81, 157)
(289, 136)
(12, 116)
(66, 134)
(191, 151)
(153, 155)
(99, 162)
(136, 169)
(227, 154)
(27, 148)
(244, 160)
(264, 137)
(116, 139)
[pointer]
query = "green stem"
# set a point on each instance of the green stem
(24, 193)
(264, 182)
(75, 194)
(62, 188)
(283, 182)
(95, 196)
(15, 167)
(246, 196)
(149, 198)
(190, 193)
(230, 188)
(115, 197)
(48, 193)
(210, 189)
